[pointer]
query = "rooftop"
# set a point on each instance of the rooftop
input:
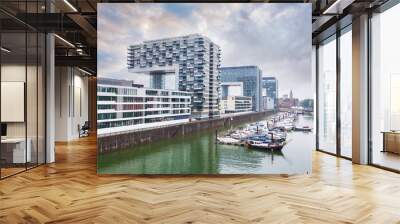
(167, 39)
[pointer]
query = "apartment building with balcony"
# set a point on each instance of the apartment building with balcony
(186, 63)
(124, 106)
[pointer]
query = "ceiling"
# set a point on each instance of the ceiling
(75, 22)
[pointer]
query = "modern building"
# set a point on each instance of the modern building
(122, 106)
(268, 103)
(270, 93)
(232, 100)
(250, 76)
(186, 63)
(231, 89)
(236, 104)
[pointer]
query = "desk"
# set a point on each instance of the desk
(391, 141)
(13, 150)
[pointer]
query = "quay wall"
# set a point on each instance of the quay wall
(115, 142)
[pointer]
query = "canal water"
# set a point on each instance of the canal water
(198, 154)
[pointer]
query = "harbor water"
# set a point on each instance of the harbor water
(199, 154)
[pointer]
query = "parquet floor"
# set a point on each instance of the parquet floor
(69, 191)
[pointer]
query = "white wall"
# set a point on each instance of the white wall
(12, 73)
(71, 102)
(33, 125)
(12, 101)
(16, 73)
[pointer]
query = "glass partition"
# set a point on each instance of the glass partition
(22, 88)
(13, 94)
(385, 89)
(41, 97)
(327, 95)
(31, 97)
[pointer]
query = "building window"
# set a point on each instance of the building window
(327, 95)
(346, 93)
(385, 89)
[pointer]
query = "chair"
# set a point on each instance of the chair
(84, 130)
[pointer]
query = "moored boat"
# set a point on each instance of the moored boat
(266, 145)
(304, 129)
(228, 140)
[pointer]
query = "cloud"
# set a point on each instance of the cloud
(275, 37)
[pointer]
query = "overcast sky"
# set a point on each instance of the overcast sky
(275, 37)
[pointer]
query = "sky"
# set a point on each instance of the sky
(275, 37)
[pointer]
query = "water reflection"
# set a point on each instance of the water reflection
(198, 154)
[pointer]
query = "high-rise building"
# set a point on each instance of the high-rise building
(186, 63)
(270, 93)
(250, 76)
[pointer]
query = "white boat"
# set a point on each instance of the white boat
(304, 129)
(228, 140)
(266, 145)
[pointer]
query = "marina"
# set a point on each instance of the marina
(269, 134)
(199, 153)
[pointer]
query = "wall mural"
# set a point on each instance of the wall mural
(204, 88)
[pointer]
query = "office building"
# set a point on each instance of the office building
(250, 76)
(270, 93)
(232, 100)
(186, 63)
(231, 89)
(124, 107)
(236, 104)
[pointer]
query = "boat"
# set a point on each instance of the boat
(241, 135)
(228, 140)
(304, 129)
(267, 134)
(266, 145)
(278, 137)
(259, 138)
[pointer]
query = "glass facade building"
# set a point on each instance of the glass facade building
(251, 78)
(270, 86)
(187, 63)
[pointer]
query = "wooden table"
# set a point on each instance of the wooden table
(391, 141)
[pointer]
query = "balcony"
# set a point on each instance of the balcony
(198, 101)
(198, 87)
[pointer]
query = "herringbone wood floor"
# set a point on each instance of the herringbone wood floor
(69, 191)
